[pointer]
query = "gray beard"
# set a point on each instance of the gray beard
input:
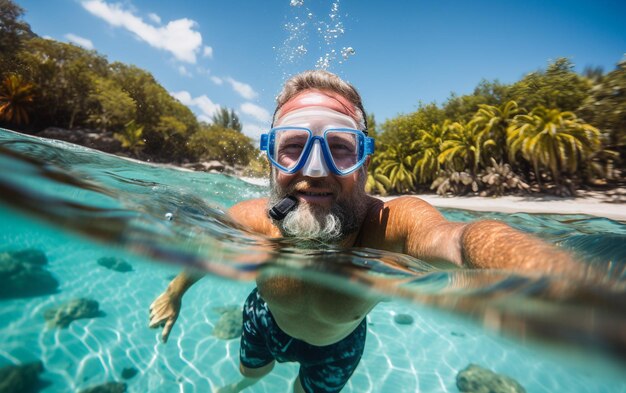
(314, 224)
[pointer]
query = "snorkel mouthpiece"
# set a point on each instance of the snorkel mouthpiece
(283, 207)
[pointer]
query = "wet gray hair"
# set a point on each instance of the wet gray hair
(325, 81)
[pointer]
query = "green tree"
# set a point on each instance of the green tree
(16, 98)
(111, 108)
(552, 139)
(168, 124)
(556, 87)
(227, 118)
(427, 149)
(605, 108)
(491, 122)
(13, 32)
(408, 128)
(462, 108)
(63, 75)
(396, 165)
(131, 137)
(226, 145)
(462, 149)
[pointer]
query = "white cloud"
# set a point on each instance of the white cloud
(217, 81)
(207, 52)
(204, 103)
(254, 131)
(183, 71)
(202, 70)
(80, 41)
(256, 111)
(177, 37)
(205, 119)
(154, 17)
(183, 96)
(243, 89)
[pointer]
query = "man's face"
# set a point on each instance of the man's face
(330, 207)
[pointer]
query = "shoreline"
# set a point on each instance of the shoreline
(593, 203)
(590, 203)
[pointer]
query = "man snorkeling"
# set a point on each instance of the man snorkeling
(319, 151)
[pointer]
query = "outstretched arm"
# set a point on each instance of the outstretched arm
(483, 244)
(165, 308)
(493, 244)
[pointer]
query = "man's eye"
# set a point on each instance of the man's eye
(341, 148)
(292, 147)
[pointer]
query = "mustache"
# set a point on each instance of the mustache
(304, 184)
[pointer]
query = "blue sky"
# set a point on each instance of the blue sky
(237, 54)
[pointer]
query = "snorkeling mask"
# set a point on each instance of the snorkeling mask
(317, 140)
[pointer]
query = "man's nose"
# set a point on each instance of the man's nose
(315, 165)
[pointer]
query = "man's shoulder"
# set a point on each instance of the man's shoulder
(397, 205)
(253, 214)
(250, 204)
(389, 222)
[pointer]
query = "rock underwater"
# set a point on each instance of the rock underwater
(62, 316)
(22, 378)
(117, 264)
(475, 379)
(230, 323)
(23, 274)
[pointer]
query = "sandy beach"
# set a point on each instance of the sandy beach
(590, 203)
(610, 204)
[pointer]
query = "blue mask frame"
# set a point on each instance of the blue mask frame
(366, 147)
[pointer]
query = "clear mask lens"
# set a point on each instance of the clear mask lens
(343, 147)
(289, 145)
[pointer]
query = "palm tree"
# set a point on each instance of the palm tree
(377, 182)
(396, 164)
(492, 122)
(132, 137)
(552, 139)
(462, 150)
(16, 96)
(227, 118)
(427, 150)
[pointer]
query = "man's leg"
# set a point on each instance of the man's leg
(250, 377)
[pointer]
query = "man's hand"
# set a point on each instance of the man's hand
(164, 312)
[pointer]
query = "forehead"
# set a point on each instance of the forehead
(316, 118)
(318, 98)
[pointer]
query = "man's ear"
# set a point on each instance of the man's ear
(367, 162)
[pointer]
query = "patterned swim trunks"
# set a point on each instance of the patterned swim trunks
(322, 369)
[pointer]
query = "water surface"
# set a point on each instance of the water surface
(76, 205)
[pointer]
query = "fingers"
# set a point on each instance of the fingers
(159, 312)
(167, 328)
(156, 322)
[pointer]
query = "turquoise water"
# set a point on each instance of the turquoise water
(77, 205)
